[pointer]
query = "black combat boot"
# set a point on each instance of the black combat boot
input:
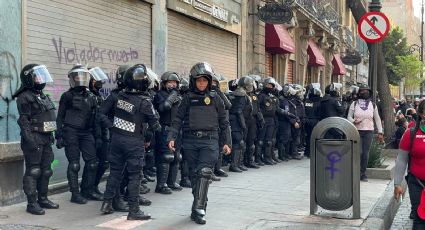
(258, 151)
(172, 177)
(235, 161)
(144, 201)
(33, 207)
(281, 152)
(137, 214)
(118, 203)
(78, 199)
(107, 207)
(44, 202)
(162, 175)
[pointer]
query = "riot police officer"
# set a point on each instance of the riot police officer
(227, 105)
(184, 169)
(166, 102)
(312, 112)
(331, 106)
(132, 108)
(201, 115)
(97, 79)
(241, 108)
(268, 104)
(254, 121)
(37, 123)
(76, 125)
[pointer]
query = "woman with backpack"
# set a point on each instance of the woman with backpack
(412, 155)
(364, 114)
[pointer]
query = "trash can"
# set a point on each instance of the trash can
(335, 167)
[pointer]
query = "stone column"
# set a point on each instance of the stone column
(302, 35)
(159, 37)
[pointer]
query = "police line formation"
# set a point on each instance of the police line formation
(149, 127)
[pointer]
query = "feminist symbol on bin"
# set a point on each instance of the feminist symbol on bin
(333, 158)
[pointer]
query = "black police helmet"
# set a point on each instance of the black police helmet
(136, 78)
(201, 69)
(247, 83)
(119, 75)
(26, 77)
(169, 76)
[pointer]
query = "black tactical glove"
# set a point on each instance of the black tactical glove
(60, 143)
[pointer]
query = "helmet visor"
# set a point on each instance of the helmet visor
(98, 74)
(154, 78)
(80, 78)
(40, 75)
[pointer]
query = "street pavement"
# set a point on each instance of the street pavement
(273, 197)
(401, 220)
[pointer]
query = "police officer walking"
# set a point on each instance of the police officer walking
(166, 102)
(131, 110)
(200, 116)
(76, 125)
(37, 123)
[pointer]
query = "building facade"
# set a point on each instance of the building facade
(166, 35)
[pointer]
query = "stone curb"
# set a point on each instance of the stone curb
(382, 215)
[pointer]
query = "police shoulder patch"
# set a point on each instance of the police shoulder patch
(254, 98)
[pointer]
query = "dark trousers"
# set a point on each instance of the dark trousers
(415, 191)
(37, 160)
(125, 150)
(308, 130)
(268, 133)
(366, 138)
(199, 153)
(102, 155)
(80, 141)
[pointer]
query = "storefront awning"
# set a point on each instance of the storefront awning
(278, 40)
(315, 55)
(339, 68)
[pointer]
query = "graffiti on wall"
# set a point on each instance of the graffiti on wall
(9, 84)
(71, 52)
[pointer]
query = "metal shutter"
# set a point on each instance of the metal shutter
(269, 64)
(190, 41)
(290, 77)
(103, 33)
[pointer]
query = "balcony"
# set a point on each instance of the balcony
(322, 13)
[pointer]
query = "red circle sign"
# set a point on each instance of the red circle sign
(373, 27)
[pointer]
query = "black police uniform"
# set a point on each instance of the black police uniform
(254, 120)
(127, 143)
(227, 106)
(37, 122)
(166, 102)
(312, 112)
(76, 126)
(241, 104)
(286, 122)
(200, 116)
(268, 104)
(298, 134)
(331, 107)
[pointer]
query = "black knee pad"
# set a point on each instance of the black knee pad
(206, 173)
(167, 157)
(252, 148)
(34, 172)
(74, 166)
(47, 173)
(260, 143)
(269, 143)
(178, 157)
(92, 165)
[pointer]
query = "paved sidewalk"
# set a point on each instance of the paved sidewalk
(273, 197)
(402, 220)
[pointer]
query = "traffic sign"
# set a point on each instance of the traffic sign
(373, 27)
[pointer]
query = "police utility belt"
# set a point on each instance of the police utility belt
(43, 126)
(201, 134)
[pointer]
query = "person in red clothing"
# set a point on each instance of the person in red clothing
(412, 154)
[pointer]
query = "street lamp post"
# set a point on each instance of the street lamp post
(374, 6)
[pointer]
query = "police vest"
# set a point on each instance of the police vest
(43, 119)
(269, 106)
(203, 114)
(82, 112)
(128, 119)
(311, 109)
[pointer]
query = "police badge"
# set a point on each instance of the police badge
(207, 100)
(254, 98)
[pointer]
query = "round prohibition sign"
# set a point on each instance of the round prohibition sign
(373, 27)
